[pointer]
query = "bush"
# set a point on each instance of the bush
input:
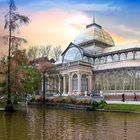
(95, 105)
(100, 105)
(83, 102)
(65, 100)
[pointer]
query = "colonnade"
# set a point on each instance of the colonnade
(77, 83)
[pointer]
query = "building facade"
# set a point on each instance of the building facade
(93, 64)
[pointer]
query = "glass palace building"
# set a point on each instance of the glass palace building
(93, 64)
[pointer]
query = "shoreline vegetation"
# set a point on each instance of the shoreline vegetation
(85, 104)
(78, 103)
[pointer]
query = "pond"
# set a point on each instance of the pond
(54, 124)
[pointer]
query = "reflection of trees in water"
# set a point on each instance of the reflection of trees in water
(65, 124)
(13, 126)
(51, 124)
(43, 130)
(54, 124)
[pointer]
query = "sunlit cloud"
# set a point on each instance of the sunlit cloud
(117, 38)
(58, 22)
(55, 27)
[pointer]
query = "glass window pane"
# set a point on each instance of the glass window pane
(75, 83)
(109, 58)
(84, 83)
(73, 54)
(137, 55)
(130, 55)
(97, 61)
(85, 58)
(102, 60)
(115, 58)
(122, 57)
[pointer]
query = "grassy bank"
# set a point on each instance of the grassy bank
(120, 107)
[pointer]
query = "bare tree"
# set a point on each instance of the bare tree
(13, 20)
(33, 52)
(44, 51)
(56, 53)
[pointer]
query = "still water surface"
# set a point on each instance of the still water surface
(52, 124)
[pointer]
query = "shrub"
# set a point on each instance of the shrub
(83, 102)
(95, 105)
(61, 99)
(102, 104)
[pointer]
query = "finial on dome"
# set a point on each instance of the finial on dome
(94, 24)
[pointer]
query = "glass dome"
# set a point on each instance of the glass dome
(72, 54)
(92, 33)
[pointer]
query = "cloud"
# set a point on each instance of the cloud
(54, 27)
(118, 39)
(58, 22)
(128, 30)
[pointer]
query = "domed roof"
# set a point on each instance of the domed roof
(94, 33)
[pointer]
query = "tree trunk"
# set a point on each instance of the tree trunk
(9, 107)
(44, 88)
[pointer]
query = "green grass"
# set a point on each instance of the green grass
(121, 107)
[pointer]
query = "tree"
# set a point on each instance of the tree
(32, 80)
(56, 53)
(45, 68)
(44, 51)
(19, 61)
(33, 52)
(13, 20)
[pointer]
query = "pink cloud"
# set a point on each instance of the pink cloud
(55, 27)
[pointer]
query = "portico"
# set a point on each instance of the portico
(77, 80)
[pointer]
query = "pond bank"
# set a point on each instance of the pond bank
(123, 108)
(61, 105)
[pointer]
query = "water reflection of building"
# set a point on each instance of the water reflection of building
(94, 63)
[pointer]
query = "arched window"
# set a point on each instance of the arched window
(130, 55)
(137, 55)
(73, 54)
(97, 61)
(91, 60)
(122, 57)
(85, 58)
(84, 84)
(75, 83)
(115, 58)
(102, 60)
(109, 58)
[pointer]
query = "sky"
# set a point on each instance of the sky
(58, 22)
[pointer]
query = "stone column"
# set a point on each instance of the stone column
(70, 84)
(79, 83)
(90, 83)
(64, 84)
(59, 85)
